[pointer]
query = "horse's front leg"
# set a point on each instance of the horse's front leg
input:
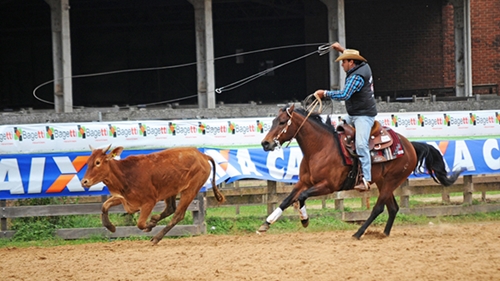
(292, 197)
(318, 189)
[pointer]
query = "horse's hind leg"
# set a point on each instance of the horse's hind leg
(377, 210)
(392, 209)
(387, 192)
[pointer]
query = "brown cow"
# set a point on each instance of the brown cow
(140, 181)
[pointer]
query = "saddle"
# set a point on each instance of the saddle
(384, 146)
(379, 137)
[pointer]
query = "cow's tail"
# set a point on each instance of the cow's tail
(430, 158)
(218, 195)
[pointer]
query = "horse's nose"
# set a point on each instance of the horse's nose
(266, 145)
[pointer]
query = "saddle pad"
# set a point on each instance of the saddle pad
(396, 149)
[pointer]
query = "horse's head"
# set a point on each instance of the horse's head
(282, 130)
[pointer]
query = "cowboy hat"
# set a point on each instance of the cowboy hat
(350, 54)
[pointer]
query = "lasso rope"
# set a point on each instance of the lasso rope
(321, 50)
(250, 78)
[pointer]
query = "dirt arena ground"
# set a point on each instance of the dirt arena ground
(469, 251)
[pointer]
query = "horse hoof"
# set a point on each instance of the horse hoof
(305, 223)
(263, 228)
(357, 236)
(154, 241)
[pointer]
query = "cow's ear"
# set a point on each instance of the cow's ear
(115, 152)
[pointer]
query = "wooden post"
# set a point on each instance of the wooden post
(339, 202)
(61, 53)
(199, 216)
(271, 196)
(445, 196)
(336, 33)
(204, 52)
(3, 224)
(237, 187)
(365, 200)
(404, 200)
(468, 189)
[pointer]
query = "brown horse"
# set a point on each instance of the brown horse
(322, 170)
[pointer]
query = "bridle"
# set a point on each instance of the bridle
(283, 131)
(289, 122)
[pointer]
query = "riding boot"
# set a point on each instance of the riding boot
(362, 186)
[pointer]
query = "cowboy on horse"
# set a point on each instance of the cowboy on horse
(360, 104)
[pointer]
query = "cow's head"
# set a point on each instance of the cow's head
(98, 165)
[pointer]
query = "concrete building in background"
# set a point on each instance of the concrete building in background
(409, 44)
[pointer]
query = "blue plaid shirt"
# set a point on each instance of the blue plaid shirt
(353, 84)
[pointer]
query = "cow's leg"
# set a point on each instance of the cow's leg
(146, 209)
(184, 201)
(112, 201)
(169, 209)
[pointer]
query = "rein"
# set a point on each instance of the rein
(310, 109)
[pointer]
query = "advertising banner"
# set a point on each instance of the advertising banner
(43, 160)
(224, 133)
(59, 174)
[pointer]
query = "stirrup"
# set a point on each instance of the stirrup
(363, 186)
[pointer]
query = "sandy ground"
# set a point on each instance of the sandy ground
(468, 251)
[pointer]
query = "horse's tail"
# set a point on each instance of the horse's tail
(429, 157)
(218, 195)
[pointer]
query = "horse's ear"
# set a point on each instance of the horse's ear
(291, 108)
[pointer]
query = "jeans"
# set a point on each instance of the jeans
(363, 125)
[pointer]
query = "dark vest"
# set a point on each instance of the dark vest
(362, 103)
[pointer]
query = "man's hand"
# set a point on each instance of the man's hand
(336, 46)
(319, 94)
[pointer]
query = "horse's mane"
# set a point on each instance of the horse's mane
(316, 118)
